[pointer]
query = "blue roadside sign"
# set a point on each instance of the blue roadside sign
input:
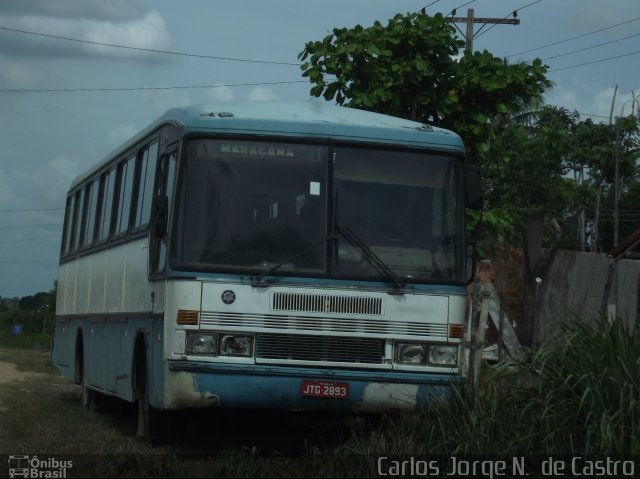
(17, 329)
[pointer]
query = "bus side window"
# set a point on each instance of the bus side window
(92, 203)
(77, 221)
(67, 224)
(165, 174)
(148, 160)
(126, 171)
(80, 206)
(106, 204)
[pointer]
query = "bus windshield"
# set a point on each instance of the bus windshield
(252, 206)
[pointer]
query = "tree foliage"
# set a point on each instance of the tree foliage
(541, 165)
(408, 68)
(528, 174)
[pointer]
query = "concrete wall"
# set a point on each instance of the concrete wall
(574, 286)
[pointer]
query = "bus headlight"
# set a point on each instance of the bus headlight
(411, 353)
(426, 354)
(440, 355)
(201, 343)
(235, 345)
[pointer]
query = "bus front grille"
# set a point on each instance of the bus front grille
(326, 303)
(319, 348)
(339, 326)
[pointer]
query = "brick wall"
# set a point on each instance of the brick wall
(506, 273)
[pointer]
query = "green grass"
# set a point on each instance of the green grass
(28, 360)
(579, 395)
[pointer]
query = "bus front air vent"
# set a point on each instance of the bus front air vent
(326, 303)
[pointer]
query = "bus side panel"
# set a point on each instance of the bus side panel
(61, 290)
(67, 288)
(136, 294)
(157, 355)
(83, 286)
(114, 338)
(64, 346)
(114, 278)
(63, 353)
(157, 364)
(96, 355)
(97, 282)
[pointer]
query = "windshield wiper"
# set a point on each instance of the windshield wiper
(399, 285)
(372, 258)
(258, 280)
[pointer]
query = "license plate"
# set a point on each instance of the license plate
(324, 389)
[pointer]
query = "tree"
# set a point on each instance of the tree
(593, 164)
(37, 302)
(407, 68)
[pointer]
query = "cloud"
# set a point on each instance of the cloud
(104, 10)
(47, 185)
(221, 93)
(566, 98)
(146, 32)
(17, 74)
(262, 93)
(628, 103)
(589, 103)
(122, 133)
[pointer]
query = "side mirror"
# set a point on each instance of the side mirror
(160, 216)
(473, 188)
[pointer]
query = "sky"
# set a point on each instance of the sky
(67, 99)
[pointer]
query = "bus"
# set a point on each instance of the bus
(268, 255)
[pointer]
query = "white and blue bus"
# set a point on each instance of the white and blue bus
(268, 255)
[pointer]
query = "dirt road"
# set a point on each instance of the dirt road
(9, 372)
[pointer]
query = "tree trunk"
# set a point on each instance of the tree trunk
(534, 235)
(537, 262)
(595, 245)
(581, 232)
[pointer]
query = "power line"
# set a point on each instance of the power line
(30, 226)
(478, 34)
(17, 285)
(148, 50)
(591, 114)
(591, 47)
(423, 9)
(74, 90)
(595, 61)
(470, 20)
(573, 38)
(57, 235)
(32, 209)
(29, 261)
(453, 11)
(527, 5)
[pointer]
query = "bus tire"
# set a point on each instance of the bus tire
(88, 394)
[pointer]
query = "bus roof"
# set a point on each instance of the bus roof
(313, 120)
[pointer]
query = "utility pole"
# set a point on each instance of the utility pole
(616, 194)
(470, 20)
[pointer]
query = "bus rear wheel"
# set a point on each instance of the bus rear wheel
(88, 394)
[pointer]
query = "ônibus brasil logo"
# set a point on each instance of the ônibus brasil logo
(33, 467)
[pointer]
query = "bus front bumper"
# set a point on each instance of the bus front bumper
(204, 384)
